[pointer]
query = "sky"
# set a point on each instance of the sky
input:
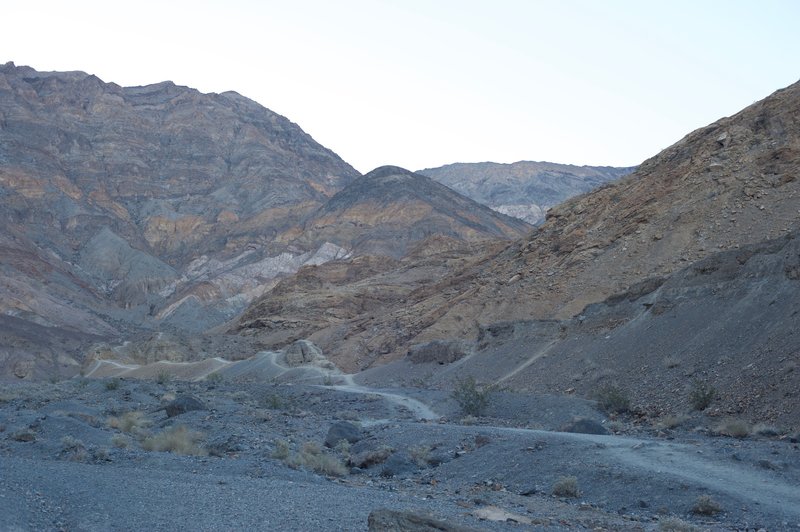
(423, 83)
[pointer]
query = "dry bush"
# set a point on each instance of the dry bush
(281, 450)
(420, 455)
(671, 422)
(73, 449)
(133, 423)
(371, 457)
(120, 441)
(177, 439)
(735, 428)
(311, 457)
(566, 487)
(705, 505)
(762, 429)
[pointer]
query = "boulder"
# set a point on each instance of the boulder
(343, 430)
(301, 353)
(183, 404)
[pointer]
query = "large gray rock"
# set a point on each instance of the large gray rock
(343, 430)
(183, 404)
(438, 351)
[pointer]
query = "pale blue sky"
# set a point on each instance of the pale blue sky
(424, 83)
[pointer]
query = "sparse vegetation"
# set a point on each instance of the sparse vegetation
(133, 423)
(566, 487)
(612, 399)
(73, 449)
(705, 505)
(214, 378)
(275, 402)
(735, 428)
(112, 384)
(420, 455)
(177, 440)
(702, 395)
(163, 377)
(281, 450)
(120, 441)
(312, 457)
(671, 422)
(472, 399)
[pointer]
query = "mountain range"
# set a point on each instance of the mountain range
(525, 189)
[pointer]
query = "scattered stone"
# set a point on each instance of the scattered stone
(183, 404)
(343, 430)
(384, 520)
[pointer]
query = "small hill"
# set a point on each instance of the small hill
(525, 189)
(389, 210)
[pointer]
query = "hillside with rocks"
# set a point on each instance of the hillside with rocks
(128, 209)
(525, 189)
(729, 185)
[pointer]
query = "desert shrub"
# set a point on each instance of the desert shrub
(472, 399)
(112, 384)
(762, 429)
(671, 422)
(281, 450)
(311, 457)
(73, 449)
(276, 402)
(705, 505)
(566, 487)
(735, 428)
(120, 441)
(343, 448)
(133, 423)
(177, 439)
(612, 399)
(163, 377)
(673, 524)
(215, 377)
(420, 455)
(701, 395)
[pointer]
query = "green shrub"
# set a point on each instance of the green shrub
(472, 400)
(112, 384)
(612, 399)
(163, 377)
(702, 395)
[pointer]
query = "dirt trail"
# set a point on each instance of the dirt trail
(418, 408)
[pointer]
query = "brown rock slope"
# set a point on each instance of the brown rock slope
(391, 209)
(731, 183)
(129, 207)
